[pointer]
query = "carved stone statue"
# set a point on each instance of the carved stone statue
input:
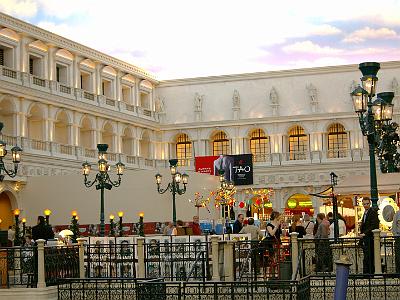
(312, 93)
(160, 105)
(273, 96)
(395, 86)
(198, 102)
(236, 99)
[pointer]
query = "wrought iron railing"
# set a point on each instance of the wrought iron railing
(255, 260)
(177, 261)
(157, 289)
(360, 286)
(390, 253)
(318, 255)
(18, 267)
(61, 262)
(116, 259)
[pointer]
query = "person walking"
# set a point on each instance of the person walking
(256, 235)
(308, 226)
(369, 222)
(322, 248)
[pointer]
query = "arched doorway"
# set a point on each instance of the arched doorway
(5, 211)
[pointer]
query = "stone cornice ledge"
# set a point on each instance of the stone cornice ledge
(271, 74)
(59, 41)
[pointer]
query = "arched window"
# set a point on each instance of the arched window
(337, 141)
(220, 144)
(183, 150)
(259, 145)
(298, 143)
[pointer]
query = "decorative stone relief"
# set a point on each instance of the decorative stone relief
(160, 105)
(236, 105)
(274, 101)
(198, 106)
(352, 87)
(313, 97)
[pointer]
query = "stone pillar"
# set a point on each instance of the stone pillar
(295, 253)
(377, 251)
(215, 257)
(51, 70)
(229, 264)
(81, 245)
(140, 252)
(76, 78)
(41, 283)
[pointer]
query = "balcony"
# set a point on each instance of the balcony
(63, 90)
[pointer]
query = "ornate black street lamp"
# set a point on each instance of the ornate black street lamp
(334, 207)
(174, 185)
(16, 158)
(102, 179)
(374, 118)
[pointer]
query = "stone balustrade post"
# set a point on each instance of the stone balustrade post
(140, 252)
(81, 244)
(41, 280)
(377, 251)
(295, 253)
(215, 257)
(229, 263)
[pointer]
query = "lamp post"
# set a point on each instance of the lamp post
(335, 207)
(112, 225)
(102, 179)
(16, 158)
(374, 119)
(174, 185)
(23, 227)
(17, 238)
(47, 213)
(120, 227)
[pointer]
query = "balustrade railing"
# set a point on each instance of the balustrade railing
(9, 73)
(110, 102)
(65, 89)
(337, 153)
(66, 149)
(91, 153)
(88, 96)
(38, 81)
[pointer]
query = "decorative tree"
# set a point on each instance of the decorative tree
(200, 201)
(141, 225)
(74, 227)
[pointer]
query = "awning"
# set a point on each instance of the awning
(387, 183)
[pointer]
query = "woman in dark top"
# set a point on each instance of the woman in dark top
(272, 241)
(297, 227)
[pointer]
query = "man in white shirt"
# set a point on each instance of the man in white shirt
(11, 235)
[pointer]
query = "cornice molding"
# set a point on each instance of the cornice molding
(262, 121)
(59, 41)
(270, 74)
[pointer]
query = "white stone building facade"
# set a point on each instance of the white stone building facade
(58, 99)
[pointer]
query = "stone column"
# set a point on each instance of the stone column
(295, 253)
(140, 251)
(215, 257)
(229, 264)
(377, 251)
(41, 283)
(51, 70)
(81, 245)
